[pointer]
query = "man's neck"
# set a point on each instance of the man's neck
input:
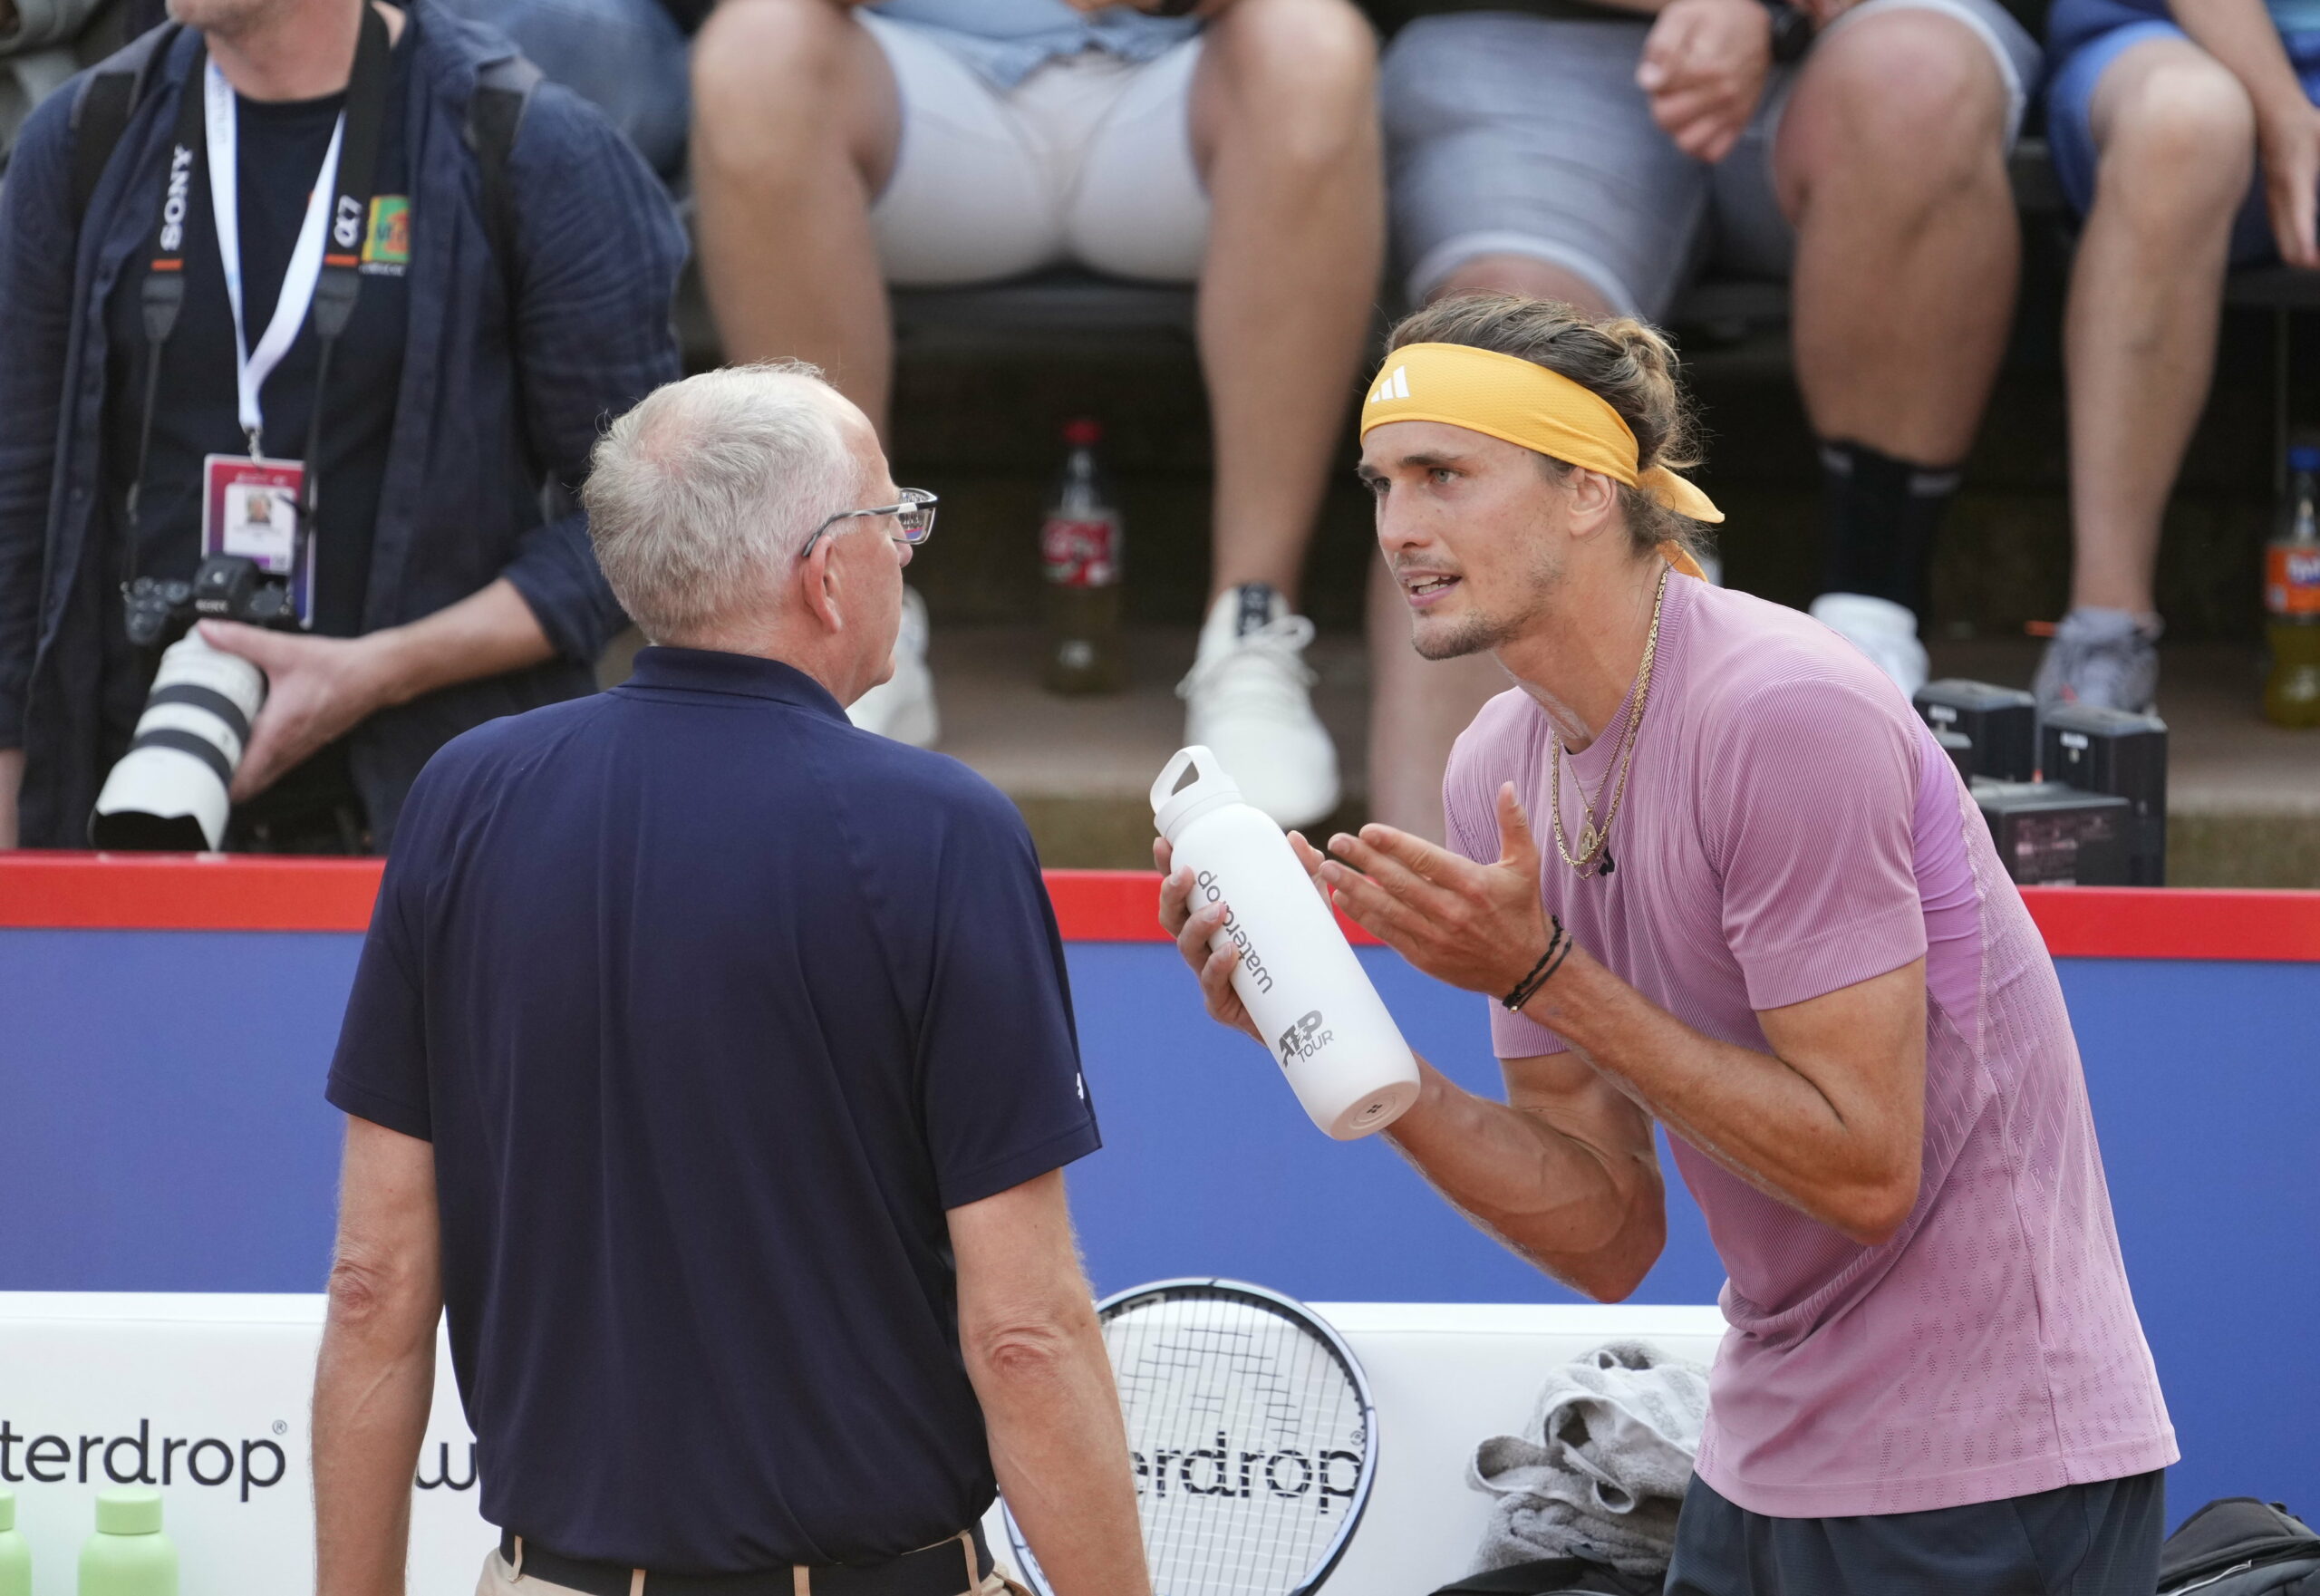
(298, 50)
(782, 647)
(1578, 658)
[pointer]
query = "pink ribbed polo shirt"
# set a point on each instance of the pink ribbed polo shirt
(1791, 828)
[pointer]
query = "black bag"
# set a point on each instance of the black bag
(1554, 1576)
(2239, 1546)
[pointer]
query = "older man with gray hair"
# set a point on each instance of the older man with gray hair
(711, 1062)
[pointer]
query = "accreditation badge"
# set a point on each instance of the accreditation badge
(249, 507)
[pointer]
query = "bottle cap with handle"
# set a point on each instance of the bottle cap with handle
(1189, 785)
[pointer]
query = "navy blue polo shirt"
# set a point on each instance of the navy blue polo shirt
(711, 1006)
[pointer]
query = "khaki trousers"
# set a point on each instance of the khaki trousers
(500, 1578)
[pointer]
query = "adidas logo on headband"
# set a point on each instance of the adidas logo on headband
(1396, 386)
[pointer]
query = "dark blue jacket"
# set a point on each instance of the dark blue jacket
(599, 248)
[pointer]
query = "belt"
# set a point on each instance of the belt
(933, 1571)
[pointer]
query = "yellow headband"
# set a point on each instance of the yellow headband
(1506, 397)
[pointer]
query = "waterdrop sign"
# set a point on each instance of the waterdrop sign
(205, 1399)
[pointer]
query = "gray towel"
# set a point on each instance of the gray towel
(1602, 1466)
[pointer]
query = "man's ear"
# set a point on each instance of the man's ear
(1594, 501)
(821, 583)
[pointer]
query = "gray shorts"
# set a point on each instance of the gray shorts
(1522, 135)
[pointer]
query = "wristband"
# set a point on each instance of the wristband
(1559, 945)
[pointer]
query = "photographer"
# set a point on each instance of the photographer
(380, 490)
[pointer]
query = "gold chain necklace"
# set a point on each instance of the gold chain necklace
(1595, 837)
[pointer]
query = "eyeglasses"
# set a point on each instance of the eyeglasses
(915, 513)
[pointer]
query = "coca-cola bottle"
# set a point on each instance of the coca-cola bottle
(2292, 597)
(1079, 551)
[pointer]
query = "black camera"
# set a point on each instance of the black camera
(171, 789)
(228, 587)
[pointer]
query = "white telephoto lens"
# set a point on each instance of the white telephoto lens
(170, 790)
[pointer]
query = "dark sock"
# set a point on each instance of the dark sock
(1879, 518)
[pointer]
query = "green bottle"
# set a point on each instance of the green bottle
(16, 1557)
(129, 1555)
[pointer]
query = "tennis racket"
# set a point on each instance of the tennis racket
(1251, 1433)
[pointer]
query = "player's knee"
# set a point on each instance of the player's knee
(2181, 139)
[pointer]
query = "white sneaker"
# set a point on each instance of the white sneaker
(1884, 631)
(902, 706)
(1247, 699)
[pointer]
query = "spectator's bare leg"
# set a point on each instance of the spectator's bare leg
(2176, 137)
(1285, 131)
(1890, 162)
(1417, 706)
(795, 127)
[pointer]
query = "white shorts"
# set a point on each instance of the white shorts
(1087, 162)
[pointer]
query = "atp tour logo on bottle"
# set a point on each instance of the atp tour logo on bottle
(1301, 1040)
(1250, 960)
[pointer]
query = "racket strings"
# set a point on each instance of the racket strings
(1251, 1437)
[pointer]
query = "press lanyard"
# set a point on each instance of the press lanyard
(323, 272)
(252, 366)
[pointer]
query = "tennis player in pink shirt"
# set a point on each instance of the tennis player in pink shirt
(1713, 872)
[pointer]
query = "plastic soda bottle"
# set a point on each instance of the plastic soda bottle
(2292, 597)
(129, 1555)
(1310, 999)
(1081, 548)
(16, 1557)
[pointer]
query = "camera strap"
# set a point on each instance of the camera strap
(324, 270)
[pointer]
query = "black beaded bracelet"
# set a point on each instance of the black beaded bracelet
(1557, 946)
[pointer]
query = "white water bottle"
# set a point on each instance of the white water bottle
(1343, 1054)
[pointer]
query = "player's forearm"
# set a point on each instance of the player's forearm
(1748, 1110)
(374, 1385)
(1059, 1449)
(1592, 1217)
(487, 634)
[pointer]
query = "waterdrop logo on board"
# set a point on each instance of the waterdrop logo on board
(246, 1464)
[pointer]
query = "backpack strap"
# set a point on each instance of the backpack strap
(102, 106)
(503, 91)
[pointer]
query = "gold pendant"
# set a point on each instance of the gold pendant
(1589, 839)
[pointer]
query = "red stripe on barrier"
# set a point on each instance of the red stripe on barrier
(240, 893)
(185, 892)
(1124, 905)
(2177, 923)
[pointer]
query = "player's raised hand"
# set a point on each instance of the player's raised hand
(1480, 927)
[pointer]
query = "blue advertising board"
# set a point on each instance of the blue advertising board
(162, 1128)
